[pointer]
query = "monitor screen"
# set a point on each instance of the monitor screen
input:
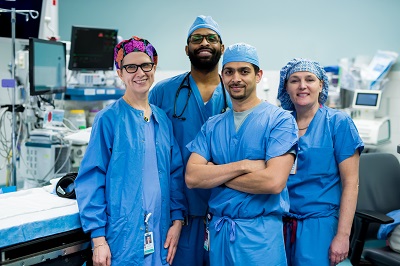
(367, 99)
(47, 67)
(92, 48)
(23, 29)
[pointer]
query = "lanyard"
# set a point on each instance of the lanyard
(146, 220)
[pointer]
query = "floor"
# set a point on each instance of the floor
(345, 263)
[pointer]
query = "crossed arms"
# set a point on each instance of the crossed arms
(250, 176)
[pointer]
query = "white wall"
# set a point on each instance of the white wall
(280, 30)
(391, 107)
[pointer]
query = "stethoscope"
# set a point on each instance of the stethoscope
(185, 84)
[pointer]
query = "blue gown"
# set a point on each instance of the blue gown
(190, 249)
(315, 189)
(246, 228)
(109, 184)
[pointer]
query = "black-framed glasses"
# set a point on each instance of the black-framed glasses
(132, 68)
(198, 38)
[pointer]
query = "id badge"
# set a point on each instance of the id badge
(148, 243)
(294, 167)
(207, 240)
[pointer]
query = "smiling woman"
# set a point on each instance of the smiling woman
(132, 134)
(326, 173)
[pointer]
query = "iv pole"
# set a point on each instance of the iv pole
(33, 14)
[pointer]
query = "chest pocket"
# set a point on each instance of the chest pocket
(320, 163)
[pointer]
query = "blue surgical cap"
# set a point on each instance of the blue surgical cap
(241, 52)
(204, 22)
(298, 65)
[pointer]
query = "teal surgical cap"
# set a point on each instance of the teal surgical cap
(204, 22)
(241, 52)
(300, 65)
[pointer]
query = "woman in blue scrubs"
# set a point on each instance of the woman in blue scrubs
(323, 191)
(130, 183)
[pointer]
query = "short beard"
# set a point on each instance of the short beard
(238, 97)
(206, 65)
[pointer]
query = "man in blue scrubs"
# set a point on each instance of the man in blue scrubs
(189, 100)
(244, 156)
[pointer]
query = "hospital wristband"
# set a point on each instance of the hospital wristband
(99, 245)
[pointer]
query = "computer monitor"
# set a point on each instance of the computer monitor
(92, 49)
(23, 29)
(47, 67)
(367, 99)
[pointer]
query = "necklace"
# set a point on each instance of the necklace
(303, 128)
(144, 117)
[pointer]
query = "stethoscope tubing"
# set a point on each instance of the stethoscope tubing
(185, 84)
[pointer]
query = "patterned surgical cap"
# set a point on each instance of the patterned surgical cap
(205, 22)
(298, 65)
(134, 44)
(241, 52)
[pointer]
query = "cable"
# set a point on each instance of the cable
(74, 129)
(65, 187)
(47, 101)
(67, 158)
(44, 179)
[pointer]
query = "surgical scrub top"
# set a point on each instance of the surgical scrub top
(152, 195)
(196, 113)
(315, 189)
(267, 132)
(109, 184)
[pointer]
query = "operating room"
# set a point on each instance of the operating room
(44, 135)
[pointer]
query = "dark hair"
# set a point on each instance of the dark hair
(256, 68)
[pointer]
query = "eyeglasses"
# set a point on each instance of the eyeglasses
(198, 38)
(132, 68)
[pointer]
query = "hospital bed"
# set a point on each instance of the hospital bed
(39, 228)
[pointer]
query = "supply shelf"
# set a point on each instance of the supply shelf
(93, 93)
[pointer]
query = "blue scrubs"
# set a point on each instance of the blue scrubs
(152, 195)
(315, 189)
(246, 228)
(386, 229)
(109, 185)
(190, 249)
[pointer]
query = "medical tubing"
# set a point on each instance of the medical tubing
(44, 179)
(64, 183)
(74, 129)
(51, 169)
(66, 158)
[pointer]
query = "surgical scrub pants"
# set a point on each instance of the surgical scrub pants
(254, 241)
(311, 244)
(190, 249)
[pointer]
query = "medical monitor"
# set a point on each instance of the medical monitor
(92, 49)
(23, 29)
(47, 67)
(367, 99)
